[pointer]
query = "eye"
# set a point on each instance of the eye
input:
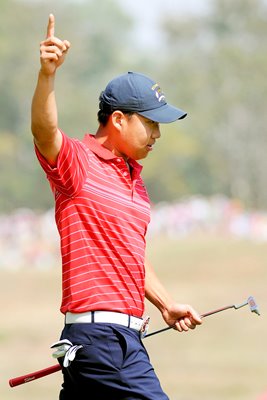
(154, 124)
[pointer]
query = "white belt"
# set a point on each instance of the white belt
(108, 317)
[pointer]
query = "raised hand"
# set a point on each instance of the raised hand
(52, 50)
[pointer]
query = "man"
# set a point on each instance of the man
(102, 213)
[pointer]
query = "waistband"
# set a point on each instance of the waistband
(108, 317)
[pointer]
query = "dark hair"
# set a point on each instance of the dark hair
(103, 116)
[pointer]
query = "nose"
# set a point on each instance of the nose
(156, 132)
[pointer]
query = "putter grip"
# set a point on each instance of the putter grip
(34, 375)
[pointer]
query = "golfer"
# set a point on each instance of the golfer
(102, 212)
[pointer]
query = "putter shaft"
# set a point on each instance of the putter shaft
(250, 301)
(202, 316)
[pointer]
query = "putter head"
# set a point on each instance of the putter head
(252, 305)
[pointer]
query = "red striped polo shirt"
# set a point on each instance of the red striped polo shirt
(102, 213)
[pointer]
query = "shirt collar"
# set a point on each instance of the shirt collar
(101, 151)
(97, 148)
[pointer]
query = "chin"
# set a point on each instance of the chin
(140, 157)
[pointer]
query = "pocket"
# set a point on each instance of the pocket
(117, 344)
(104, 349)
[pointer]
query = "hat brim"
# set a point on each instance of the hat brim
(164, 114)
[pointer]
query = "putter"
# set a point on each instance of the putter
(250, 301)
(54, 368)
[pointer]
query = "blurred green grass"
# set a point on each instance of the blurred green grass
(224, 359)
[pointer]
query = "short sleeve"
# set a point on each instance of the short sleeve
(70, 172)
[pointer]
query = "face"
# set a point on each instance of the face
(137, 137)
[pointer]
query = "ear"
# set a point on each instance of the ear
(118, 119)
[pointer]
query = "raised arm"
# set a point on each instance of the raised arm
(44, 122)
(181, 316)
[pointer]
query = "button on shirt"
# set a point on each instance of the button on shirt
(102, 213)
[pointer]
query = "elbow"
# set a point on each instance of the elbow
(43, 133)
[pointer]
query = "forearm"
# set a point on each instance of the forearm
(44, 110)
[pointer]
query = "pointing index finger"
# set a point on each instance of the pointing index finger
(51, 26)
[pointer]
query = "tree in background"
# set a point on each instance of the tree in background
(221, 61)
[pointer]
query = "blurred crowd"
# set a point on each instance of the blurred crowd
(30, 239)
(215, 215)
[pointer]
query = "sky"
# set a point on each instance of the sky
(148, 13)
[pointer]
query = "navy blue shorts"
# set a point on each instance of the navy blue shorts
(112, 365)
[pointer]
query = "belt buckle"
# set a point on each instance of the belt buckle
(144, 327)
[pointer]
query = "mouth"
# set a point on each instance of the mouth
(150, 147)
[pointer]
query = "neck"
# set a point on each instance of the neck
(104, 137)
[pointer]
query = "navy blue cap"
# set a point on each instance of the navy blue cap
(134, 92)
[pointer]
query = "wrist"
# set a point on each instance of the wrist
(168, 306)
(163, 302)
(43, 74)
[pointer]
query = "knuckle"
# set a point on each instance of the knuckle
(42, 49)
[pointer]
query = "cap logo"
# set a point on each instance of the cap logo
(158, 92)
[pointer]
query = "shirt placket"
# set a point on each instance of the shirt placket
(125, 172)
